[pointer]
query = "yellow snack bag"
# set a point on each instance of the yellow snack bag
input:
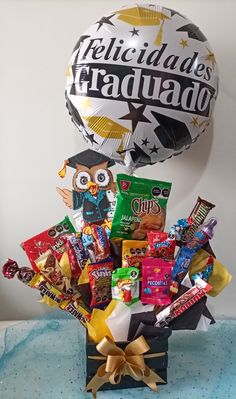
(133, 253)
(220, 276)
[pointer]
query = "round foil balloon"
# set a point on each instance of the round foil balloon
(141, 84)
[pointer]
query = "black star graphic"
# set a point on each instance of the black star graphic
(90, 137)
(105, 20)
(172, 133)
(154, 149)
(134, 32)
(80, 42)
(135, 115)
(145, 142)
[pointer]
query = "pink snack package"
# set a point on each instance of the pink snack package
(156, 280)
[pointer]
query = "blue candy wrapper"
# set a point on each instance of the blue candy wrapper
(182, 263)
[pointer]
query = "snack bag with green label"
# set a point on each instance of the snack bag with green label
(141, 207)
(125, 285)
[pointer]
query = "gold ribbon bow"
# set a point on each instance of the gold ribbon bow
(119, 362)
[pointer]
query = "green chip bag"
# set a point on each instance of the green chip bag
(141, 206)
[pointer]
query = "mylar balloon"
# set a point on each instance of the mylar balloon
(141, 84)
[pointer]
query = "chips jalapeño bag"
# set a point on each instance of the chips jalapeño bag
(141, 206)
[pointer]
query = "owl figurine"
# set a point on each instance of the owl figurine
(93, 186)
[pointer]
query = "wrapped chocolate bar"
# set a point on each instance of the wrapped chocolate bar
(198, 216)
(76, 254)
(184, 302)
(37, 281)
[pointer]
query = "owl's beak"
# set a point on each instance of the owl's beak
(93, 187)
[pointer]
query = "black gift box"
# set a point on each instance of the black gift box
(158, 364)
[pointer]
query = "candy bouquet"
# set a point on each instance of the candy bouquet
(141, 86)
(128, 279)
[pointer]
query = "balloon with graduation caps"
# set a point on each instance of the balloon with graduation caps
(93, 187)
(141, 84)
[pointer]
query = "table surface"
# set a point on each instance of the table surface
(45, 359)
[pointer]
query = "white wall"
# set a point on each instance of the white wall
(36, 40)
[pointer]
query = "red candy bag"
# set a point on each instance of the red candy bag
(100, 282)
(101, 244)
(50, 238)
(156, 280)
(161, 245)
(76, 254)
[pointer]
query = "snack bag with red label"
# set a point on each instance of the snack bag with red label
(141, 206)
(100, 283)
(161, 245)
(50, 238)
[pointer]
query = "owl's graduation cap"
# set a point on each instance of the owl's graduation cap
(88, 158)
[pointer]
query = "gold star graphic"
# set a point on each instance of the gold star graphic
(194, 121)
(183, 43)
(203, 122)
(211, 58)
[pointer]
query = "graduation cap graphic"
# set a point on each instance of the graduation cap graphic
(193, 32)
(88, 158)
(173, 13)
(139, 157)
(172, 133)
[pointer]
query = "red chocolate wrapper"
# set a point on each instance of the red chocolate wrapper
(184, 302)
(76, 254)
(50, 238)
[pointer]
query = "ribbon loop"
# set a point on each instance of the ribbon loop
(121, 362)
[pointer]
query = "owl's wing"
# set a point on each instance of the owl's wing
(66, 196)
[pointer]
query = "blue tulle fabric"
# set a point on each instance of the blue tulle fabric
(45, 359)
